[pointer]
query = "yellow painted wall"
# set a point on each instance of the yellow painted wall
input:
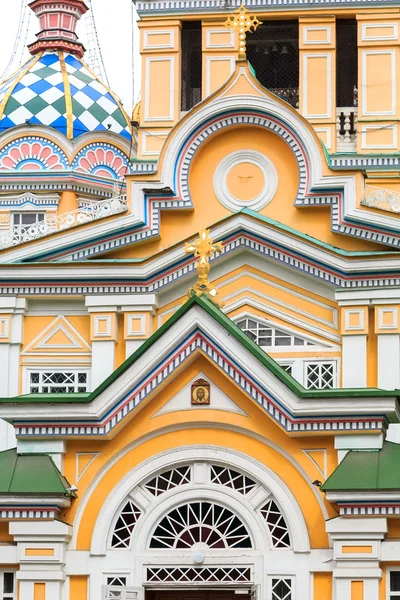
(67, 203)
(322, 586)
(78, 587)
(39, 591)
(190, 432)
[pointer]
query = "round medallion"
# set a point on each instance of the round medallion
(245, 179)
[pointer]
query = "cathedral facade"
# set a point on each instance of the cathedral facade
(200, 308)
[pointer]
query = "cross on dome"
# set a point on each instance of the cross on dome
(58, 20)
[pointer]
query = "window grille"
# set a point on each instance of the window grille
(276, 525)
(191, 64)
(125, 525)
(281, 588)
(265, 335)
(320, 376)
(273, 52)
(168, 480)
(116, 581)
(57, 382)
(204, 522)
(199, 575)
(232, 479)
(346, 63)
(394, 583)
(7, 586)
(287, 368)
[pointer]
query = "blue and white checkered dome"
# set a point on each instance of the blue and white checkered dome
(58, 90)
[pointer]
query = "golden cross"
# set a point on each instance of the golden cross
(242, 22)
(203, 248)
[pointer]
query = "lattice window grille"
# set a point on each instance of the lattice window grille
(288, 368)
(203, 522)
(233, 479)
(58, 382)
(199, 575)
(169, 480)
(267, 336)
(276, 525)
(282, 588)
(320, 376)
(7, 586)
(116, 581)
(125, 525)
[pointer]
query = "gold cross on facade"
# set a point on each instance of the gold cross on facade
(242, 22)
(203, 248)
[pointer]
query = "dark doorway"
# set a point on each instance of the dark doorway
(199, 595)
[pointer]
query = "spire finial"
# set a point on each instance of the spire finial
(203, 247)
(57, 25)
(242, 22)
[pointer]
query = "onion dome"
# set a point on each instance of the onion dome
(55, 87)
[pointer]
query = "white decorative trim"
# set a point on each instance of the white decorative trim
(356, 311)
(209, 60)
(149, 46)
(328, 132)
(364, 130)
(97, 319)
(379, 38)
(4, 327)
(149, 134)
(29, 201)
(171, 115)
(394, 312)
(327, 41)
(211, 46)
(328, 113)
(142, 320)
(364, 86)
(236, 158)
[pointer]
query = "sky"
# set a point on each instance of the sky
(114, 26)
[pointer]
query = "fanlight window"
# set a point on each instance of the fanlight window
(232, 479)
(125, 525)
(265, 335)
(204, 522)
(168, 480)
(276, 525)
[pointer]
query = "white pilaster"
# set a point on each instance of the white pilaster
(41, 551)
(389, 361)
(354, 361)
(357, 551)
(103, 361)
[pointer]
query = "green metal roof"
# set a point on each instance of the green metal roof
(367, 470)
(236, 332)
(30, 474)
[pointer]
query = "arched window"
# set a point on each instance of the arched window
(205, 522)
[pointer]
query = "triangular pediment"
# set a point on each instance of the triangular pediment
(199, 328)
(182, 401)
(60, 336)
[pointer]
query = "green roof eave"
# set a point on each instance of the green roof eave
(367, 470)
(30, 474)
(236, 332)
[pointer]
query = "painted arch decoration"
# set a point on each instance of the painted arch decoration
(38, 153)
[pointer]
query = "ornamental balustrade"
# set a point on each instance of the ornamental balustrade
(381, 198)
(87, 212)
(346, 129)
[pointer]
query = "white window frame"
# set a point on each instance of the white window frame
(54, 369)
(281, 576)
(3, 594)
(299, 368)
(389, 593)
